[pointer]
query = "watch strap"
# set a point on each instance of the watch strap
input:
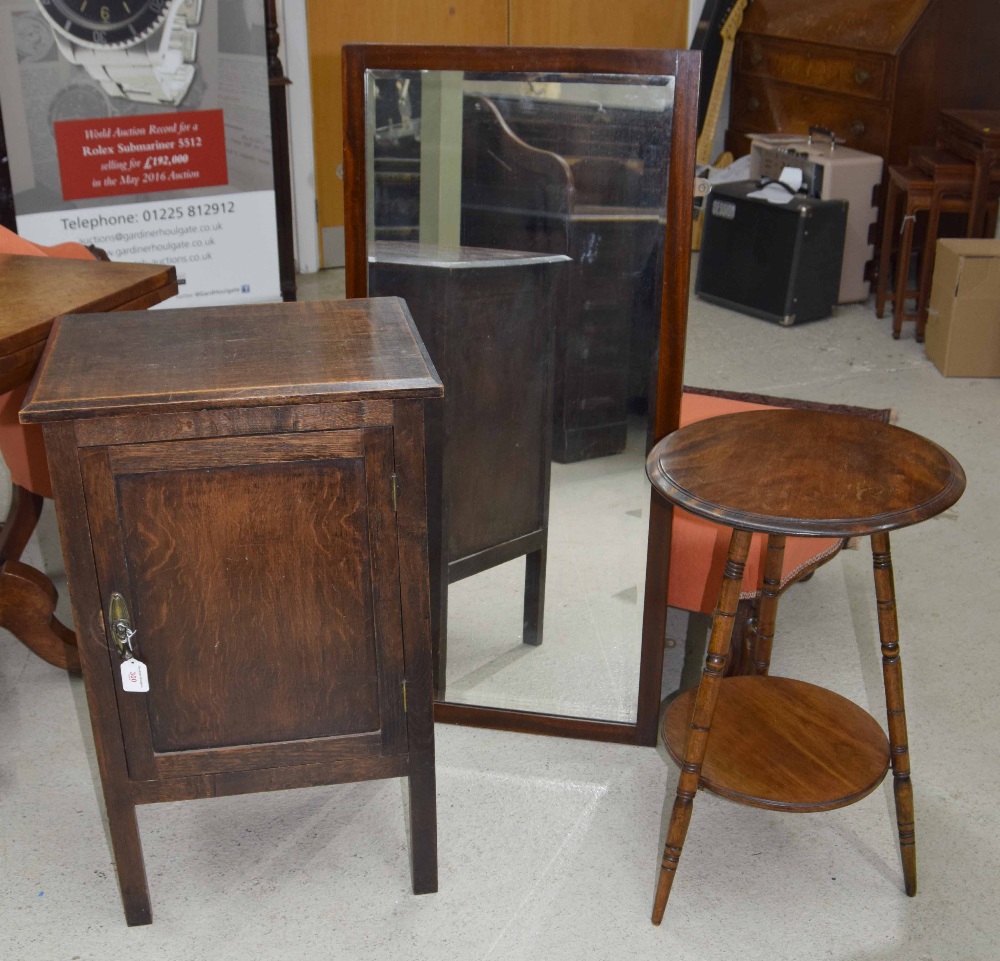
(158, 70)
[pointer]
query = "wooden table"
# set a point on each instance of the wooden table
(779, 743)
(33, 292)
(974, 135)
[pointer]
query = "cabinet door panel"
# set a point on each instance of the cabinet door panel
(251, 574)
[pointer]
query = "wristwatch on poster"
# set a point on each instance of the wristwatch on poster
(141, 50)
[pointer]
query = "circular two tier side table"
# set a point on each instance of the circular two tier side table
(774, 742)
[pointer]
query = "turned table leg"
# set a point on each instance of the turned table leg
(701, 719)
(892, 673)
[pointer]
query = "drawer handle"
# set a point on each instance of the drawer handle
(861, 77)
(756, 58)
(857, 129)
(753, 104)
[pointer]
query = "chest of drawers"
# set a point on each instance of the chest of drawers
(875, 73)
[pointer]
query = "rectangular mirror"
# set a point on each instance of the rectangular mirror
(532, 206)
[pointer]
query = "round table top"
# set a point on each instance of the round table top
(803, 472)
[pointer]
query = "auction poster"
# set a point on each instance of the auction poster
(143, 127)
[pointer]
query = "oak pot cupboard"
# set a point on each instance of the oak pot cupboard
(242, 505)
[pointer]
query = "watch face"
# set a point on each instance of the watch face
(105, 23)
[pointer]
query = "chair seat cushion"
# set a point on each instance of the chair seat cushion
(698, 548)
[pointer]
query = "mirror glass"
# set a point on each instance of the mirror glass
(522, 218)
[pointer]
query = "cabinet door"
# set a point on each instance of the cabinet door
(261, 578)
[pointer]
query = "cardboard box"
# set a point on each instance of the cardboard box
(963, 319)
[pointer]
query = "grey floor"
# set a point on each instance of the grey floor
(549, 848)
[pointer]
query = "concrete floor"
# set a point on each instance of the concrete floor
(549, 848)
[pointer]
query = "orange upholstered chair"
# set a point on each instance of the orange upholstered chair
(698, 548)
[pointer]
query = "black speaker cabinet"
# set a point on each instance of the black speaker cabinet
(777, 261)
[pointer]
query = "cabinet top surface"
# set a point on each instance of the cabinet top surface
(36, 290)
(858, 24)
(217, 357)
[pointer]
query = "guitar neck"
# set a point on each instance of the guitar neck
(703, 153)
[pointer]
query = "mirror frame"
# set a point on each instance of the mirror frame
(684, 65)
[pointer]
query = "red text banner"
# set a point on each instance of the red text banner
(142, 154)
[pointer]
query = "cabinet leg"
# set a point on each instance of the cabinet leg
(892, 674)
(127, 848)
(534, 596)
(423, 824)
(701, 719)
(764, 635)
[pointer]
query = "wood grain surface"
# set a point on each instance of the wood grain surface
(229, 357)
(283, 616)
(35, 290)
(784, 744)
(845, 23)
(805, 472)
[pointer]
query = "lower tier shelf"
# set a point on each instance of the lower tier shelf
(784, 744)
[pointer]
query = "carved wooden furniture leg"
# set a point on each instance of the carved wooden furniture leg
(27, 597)
(701, 720)
(22, 517)
(764, 635)
(892, 673)
(27, 603)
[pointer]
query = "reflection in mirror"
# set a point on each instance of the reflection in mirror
(522, 218)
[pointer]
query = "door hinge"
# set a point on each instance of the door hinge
(395, 493)
(404, 697)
